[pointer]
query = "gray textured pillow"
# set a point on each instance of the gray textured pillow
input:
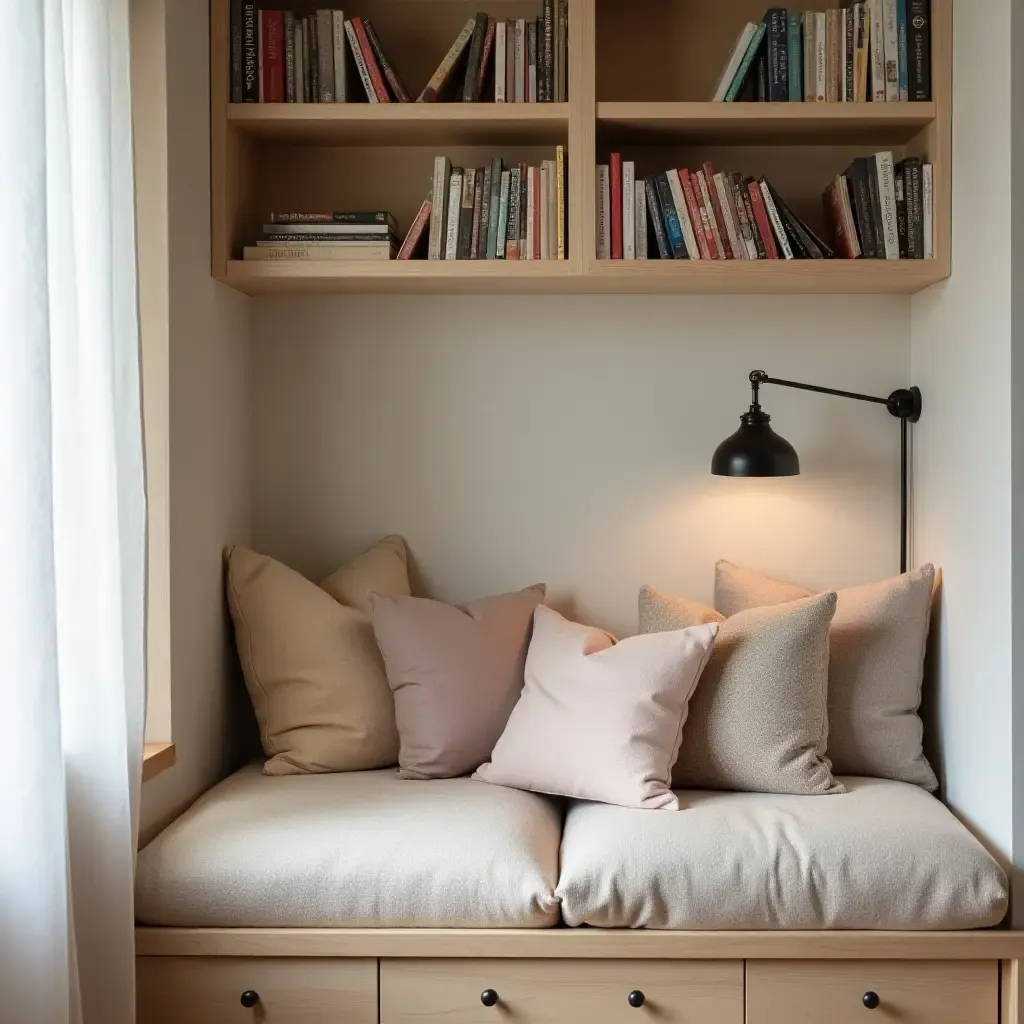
(878, 641)
(758, 720)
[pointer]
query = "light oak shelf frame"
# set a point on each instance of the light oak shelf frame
(387, 147)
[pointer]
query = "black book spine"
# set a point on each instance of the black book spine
(668, 208)
(861, 199)
(237, 89)
(250, 54)
(875, 196)
(654, 206)
(851, 53)
(466, 215)
(777, 39)
(913, 184)
(919, 45)
(900, 184)
(548, 90)
(289, 57)
(314, 60)
(762, 86)
(470, 93)
(485, 212)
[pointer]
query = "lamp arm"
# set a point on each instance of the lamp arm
(905, 403)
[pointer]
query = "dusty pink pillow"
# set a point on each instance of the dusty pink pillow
(600, 720)
(456, 674)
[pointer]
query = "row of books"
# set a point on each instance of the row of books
(278, 57)
(876, 50)
(347, 235)
(492, 213)
(881, 210)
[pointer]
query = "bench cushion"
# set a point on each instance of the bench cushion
(360, 850)
(885, 855)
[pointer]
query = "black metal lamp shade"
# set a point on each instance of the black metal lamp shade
(755, 450)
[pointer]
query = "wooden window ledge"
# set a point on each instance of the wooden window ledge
(156, 758)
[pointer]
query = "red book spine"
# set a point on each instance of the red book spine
(273, 57)
(419, 226)
(372, 68)
(763, 223)
(716, 202)
(615, 182)
(834, 209)
(486, 54)
(695, 213)
(537, 221)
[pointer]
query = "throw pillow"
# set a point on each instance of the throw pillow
(758, 722)
(310, 660)
(456, 674)
(600, 720)
(876, 671)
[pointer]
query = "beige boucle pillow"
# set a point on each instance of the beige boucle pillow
(758, 721)
(310, 660)
(876, 671)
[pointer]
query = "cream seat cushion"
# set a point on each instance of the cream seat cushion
(359, 850)
(886, 855)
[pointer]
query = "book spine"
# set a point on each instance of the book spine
(360, 60)
(745, 65)
(372, 68)
(325, 238)
(440, 77)
(603, 213)
(862, 31)
(707, 212)
(451, 237)
(531, 221)
(237, 34)
(524, 185)
(628, 210)
(384, 64)
(842, 57)
(778, 55)
(308, 54)
(250, 70)
(781, 238)
(470, 92)
(273, 72)
(670, 213)
(439, 207)
(892, 51)
(875, 197)
(560, 186)
(690, 248)
(520, 56)
(548, 79)
(504, 196)
(640, 218)
(902, 223)
(915, 209)
(657, 219)
(545, 210)
(849, 56)
(795, 35)
(314, 60)
(764, 226)
(717, 211)
(494, 210)
(810, 58)
(465, 242)
(486, 57)
(300, 71)
(537, 207)
(845, 195)
(734, 248)
(552, 214)
(314, 253)
(887, 197)
(928, 211)
(863, 208)
(476, 215)
(500, 61)
(531, 65)
(512, 237)
(820, 58)
(762, 76)
(804, 246)
(833, 56)
(919, 45)
(510, 62)
(416, 232)
(380, 217)
(875, 16)
(739, 49)
(834, 211)
(615, 180)
(563, 51)
(485, 212)
(338, 47)
(744, 193)
(697, 217)
(325, 54)
(903, 40)
(746, 228)
(289, 57)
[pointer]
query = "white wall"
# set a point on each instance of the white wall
(960, 357)
(209, 439)
(568, 440)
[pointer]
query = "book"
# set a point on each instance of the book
(758, 218)
(387, 69)
(674, 204)
(810, 244)
(744, 215)
(494, 209)
(821, 51)
(628, 210)
(739, 50)
(514, 199)
(478, 238)
(345, 220)
(520, 61)
(470, 84)
(300, 77)
(707, 212)
(731, 240)
(279, 239)
(836, 200)
(615, 180)
(928, 220)
(524, 186)
(360, 61)
(657, 219)
(902, 36)
(313, 34)
(892, 51)
(551, 220)
(671, 217)
(504, 196)
(260, 45)
(308, 53)
(510, 62)
(563, 51)
(833, 57)
(338, 46)
(370, 60)
(875, 209)
(887, 198)
(531, 63)
(810, 57)
(547, 89)
(484, 230)
(272, 44)
(237, 32)
(849, 55)
(445, 70)
(417, 232)
(761, 69)
(795, 33)
(781, 238)
(919, 46)
(899, 181)
(877, 50)
(451, 231)
(466, 210)
(913, 188)
(439, 206)
(545, 210)
(560, 201)
(695, 215)
(603, 213)
(325, 54)
(323, 253)
(500, 61)
(777, 40)
(746, 63)
(289, 57)
(860, 197)
(717, 213)
(538, 212)
(486, 57)
(861, 39)
(530, 235)
(641, 243)
(250, 50)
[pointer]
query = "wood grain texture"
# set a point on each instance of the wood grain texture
(579, 944)
(208, 991)
(805, 992)
(156, 758)
(542, 992)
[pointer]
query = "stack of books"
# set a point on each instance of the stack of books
(327, 236)
(881, 210)
(876, 50)
(492, 213)
(279, 57)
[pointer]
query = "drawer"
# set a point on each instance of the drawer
(208, 990)
(561, 991)
(834, 991)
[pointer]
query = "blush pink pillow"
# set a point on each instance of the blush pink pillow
(600, 720)
(456, 674)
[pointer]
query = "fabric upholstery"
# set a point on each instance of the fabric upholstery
(886, 855)
(359, 850)
(758, 719)
(310, 660)
(597, 719)
(456, 674)
(876, 669)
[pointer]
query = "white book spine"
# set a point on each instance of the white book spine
(640, 218)
(531, 90)
(810, 58)
(877, 56)
(709, 206)
(506, 182)
(729, 72)
(520, 77)
(628, 210)
(357, 54)
(439, 207)
(531, 217)
(603, 213)
(731, 227)
(544, 227)
(773, 216)
(338, 24)
(928, 203)
(500, 60)
(300, 67)
(451, 245)
(820, 57)
(552, 209)
(892, 52)
(690, 229)
(887, 199)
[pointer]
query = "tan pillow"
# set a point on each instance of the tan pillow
(311, 663)
(456, 674)
(879, 636)
(758, 720)
(599, 720)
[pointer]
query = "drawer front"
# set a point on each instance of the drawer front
(561, 991)
(209, 990)
(839, 992)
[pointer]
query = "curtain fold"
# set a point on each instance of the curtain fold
(72, 516)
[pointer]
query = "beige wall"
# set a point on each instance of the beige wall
(209, 438)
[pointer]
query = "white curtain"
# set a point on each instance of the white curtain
(72, 516)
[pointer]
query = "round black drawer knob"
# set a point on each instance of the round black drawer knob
(249, 998)
(871, 1000)
(637, 999)
(489, 997)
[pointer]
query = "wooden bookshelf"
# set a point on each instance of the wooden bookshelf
(639, 79)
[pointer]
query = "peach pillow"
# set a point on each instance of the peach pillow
(600, 720)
